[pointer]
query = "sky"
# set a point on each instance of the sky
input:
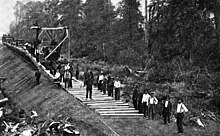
(7, 13)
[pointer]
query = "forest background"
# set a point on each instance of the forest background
(177, 45)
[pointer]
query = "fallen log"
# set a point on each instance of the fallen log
(197, 121)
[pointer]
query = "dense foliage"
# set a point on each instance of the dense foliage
(182, 42)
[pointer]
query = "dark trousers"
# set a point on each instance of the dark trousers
(61, 77)
(151, 110)
(179, 122)
(145, 108)
(135, 103)
(66, 81)
(103, 88)
(89, 91)
(110, 90)
(37, 80)
(77, 75)
(117, 94)
(140, 108)
(166, 116)
(100, 85)
(70, 83)
(37, 57)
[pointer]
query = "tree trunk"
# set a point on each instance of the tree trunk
(217, 24)
(146, 23)
(130, 27)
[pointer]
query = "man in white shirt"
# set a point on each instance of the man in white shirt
(181, 109)
(152, 102)
(145, 100)
(100, 79)
(117, 86)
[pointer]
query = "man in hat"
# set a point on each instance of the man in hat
(181, 109)
(145, 100)
(167, 108)
(152, 102)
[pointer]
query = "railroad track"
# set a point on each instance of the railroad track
(103, 105)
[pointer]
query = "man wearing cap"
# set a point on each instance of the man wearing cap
(181, 109)
(152, 102)
(167, 108)
(145, 100)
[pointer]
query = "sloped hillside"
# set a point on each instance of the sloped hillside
(47, 99)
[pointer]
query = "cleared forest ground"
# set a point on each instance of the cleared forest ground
(47, 99)
(51, 101)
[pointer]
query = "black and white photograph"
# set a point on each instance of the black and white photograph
(109, 67)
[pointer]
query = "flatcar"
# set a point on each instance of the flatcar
(7, 38)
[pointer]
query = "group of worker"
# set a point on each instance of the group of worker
(105, 83)
(65, 73)
(147, 103)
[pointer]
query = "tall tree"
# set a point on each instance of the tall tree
(95, 26)
(128, 30)
(178, 28)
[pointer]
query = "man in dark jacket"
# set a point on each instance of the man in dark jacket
(140, 107)
(89, 79)
(37, 75)
(167, 108)
(86, 76)
(109, 85)
(135, 97)
(77, 71)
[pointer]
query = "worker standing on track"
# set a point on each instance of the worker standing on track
(117, 86)
(88, 82)
(100, 80)
(67, 77)
(86, 76)
(140, 106)
(145, 102)
(62, 71)
(110, 85)
(77, 71)
(135, 97)
(104, 84)
(152, 103)
(71, 76)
